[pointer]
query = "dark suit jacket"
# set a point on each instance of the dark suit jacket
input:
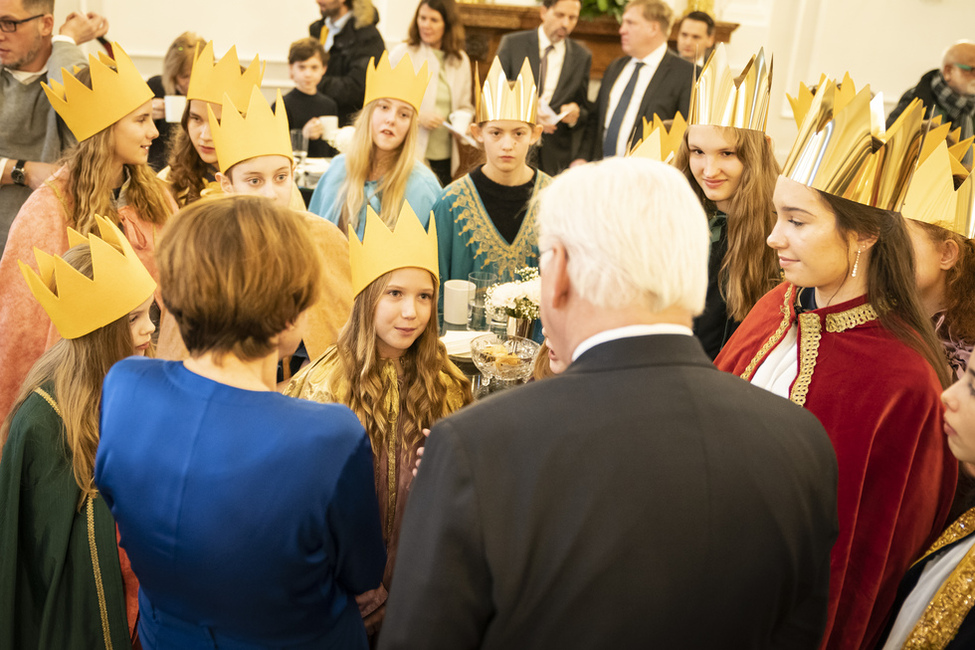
(345, 76)
(556, 150)
(641, 499)
(669, 91)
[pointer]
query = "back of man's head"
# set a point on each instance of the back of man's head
(634, 234)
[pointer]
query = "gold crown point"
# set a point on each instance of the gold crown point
(114, 93)
(211, 80)
(256, 132)
(402, 82)
(720, 98)
(383, 249)
(78, 305)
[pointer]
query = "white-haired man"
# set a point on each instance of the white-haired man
(639, 499)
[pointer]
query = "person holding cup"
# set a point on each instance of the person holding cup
(309, 110)
(169, 93)
(436, 37)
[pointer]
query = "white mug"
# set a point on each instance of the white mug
(455, 298)
(330, 124)
(460, 120)
(175, 105)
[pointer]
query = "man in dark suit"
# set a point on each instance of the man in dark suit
(563, 80)
(648, 80)
(640, 499)
(348, 32)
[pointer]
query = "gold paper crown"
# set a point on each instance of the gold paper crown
(503, 100)
(113, 94)
(402, 82)
(658, 143)
(844, 150)
(79, 305)
(258, 132)
(383, 250)
(721, 99)
(845, 92)
(210, 81)
(932, 197)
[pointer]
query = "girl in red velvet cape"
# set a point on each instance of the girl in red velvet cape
(845, 337)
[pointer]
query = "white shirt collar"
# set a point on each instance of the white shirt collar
(27, 77)
(544, 42)
(629, 331)
(653, 59)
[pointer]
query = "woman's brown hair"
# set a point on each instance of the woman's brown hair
(178, 60)
(891, 284)
(959, 283)
(453, 42)
(750, 268)
(187, 171)
(235, 271)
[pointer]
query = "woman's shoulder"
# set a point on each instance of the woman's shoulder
(126, 372)
(37, 422)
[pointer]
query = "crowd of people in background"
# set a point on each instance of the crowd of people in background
(229, 420)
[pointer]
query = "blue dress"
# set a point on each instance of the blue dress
(250, 518)
(422, 191)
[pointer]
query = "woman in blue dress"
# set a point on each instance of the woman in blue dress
(250, 518)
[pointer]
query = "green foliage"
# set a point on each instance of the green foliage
(596, 8)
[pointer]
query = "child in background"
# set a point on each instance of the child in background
(307, 61)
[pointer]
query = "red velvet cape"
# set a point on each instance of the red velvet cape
(879, 401)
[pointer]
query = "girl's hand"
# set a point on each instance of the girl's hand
(430, 121)
(419, 453)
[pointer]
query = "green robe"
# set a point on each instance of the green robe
(60, 580)
(468, 241)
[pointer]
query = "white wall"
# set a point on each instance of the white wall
(887, 43)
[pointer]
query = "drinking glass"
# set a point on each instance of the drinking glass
(477, 317)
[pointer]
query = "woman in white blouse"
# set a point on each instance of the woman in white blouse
(436, 37)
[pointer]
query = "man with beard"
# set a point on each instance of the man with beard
(30, 137)
(950, 89)
(348, 32)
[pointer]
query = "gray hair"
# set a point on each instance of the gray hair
(634, 232)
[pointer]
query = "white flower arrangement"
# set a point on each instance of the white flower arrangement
(518, 299)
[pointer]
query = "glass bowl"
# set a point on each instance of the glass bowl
(511, 359)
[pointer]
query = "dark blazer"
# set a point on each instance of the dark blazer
(555, 150)
(345, 76)
(641, 499)
(669, 91)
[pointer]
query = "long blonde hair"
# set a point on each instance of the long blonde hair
(424, 364)
(77, 368)
(359, 162)
(750, 268)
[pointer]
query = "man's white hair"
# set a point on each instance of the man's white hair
(634, 231)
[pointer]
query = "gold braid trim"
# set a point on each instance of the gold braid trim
(775, 338)
(851, 318)
(392, 410)
(96, 568)
(945, 613)
(59, 196)
(486, 242)
(960, 529)
(49, 400)
(810, 333)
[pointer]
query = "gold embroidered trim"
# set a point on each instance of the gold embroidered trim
(486, 243)
(850, 318)
(811, 334)
(392, 406)
(49, 400)
(945, 613)
(58, 196)
(775, 338)
(960, 529)
(96, 568)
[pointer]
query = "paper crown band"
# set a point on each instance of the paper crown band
(402, 82)
(721, 99)
(113, 94)
(210, 81)
(258, 132)
(79, 305)
(500, 99)
(843, 149)
(660, 143)
(382, 250)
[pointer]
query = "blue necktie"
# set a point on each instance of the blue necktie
(613, 130)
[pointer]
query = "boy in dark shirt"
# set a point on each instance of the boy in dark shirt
(307, 60)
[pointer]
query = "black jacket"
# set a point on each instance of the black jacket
(345, 77)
